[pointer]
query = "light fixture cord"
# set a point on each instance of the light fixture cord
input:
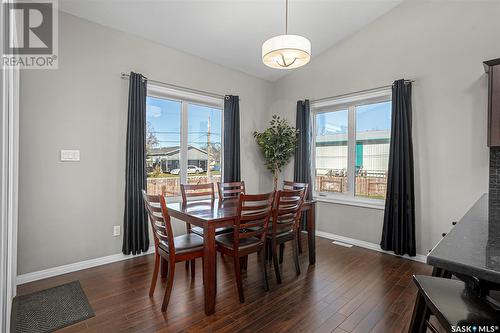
(286, 18)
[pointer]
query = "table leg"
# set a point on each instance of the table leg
(210, 268)
(311, 233)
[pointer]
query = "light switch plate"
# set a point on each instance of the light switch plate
(116, 230)
(70, 155)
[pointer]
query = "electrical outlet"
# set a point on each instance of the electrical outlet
(116, 230)
(70, 155)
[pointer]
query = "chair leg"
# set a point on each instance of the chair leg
(263, 264)
(168, 288)
(299, 240)
(275, 261)
(269, 251)
(420, 316)
(187, 264)
(239, 283)
(295, 248)
(155, 275)
(193, 269)
(282, 250)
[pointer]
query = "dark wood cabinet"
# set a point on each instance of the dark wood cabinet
(492, 67)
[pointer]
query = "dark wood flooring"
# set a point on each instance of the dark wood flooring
(348, 290)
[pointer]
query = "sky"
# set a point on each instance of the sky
(165, 117)
(371, 117)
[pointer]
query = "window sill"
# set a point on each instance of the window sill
(358, 202)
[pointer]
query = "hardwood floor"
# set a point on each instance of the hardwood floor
(348, 290)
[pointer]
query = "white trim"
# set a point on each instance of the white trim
(354, 97)
(367, 245)
(180, 95)
(9, 143)
(64, 269)
(350, 201)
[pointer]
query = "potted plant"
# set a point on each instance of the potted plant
(277, 144)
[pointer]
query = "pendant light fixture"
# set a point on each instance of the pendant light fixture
(286, 51)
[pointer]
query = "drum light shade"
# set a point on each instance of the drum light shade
(286, 51)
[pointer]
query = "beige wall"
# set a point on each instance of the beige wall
(67, 210)
(440, 44)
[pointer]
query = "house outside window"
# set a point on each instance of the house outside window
(351, 140)
(183, 140)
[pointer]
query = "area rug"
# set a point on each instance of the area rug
(50, 309)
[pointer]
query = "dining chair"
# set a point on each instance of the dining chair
(186, 247)
(291, 185)
(249, 234)
(230, 190)
(284, 225)
(196, 192)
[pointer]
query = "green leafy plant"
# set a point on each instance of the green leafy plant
(277, 144)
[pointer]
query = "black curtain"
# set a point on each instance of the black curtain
(302, 161)
(135, 223)
(398, 232)
(302, 164)
(231, 169)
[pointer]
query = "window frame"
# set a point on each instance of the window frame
(347, 102)
(186, 98)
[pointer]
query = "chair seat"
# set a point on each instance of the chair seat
(218, 231)
(185, 243)
(226, 240)
(448, 298)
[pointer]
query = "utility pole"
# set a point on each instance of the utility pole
(209, 151)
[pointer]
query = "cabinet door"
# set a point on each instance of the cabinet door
(494, 107)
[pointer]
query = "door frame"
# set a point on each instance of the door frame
(9, 157)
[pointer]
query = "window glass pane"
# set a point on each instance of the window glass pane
(373, 133)
(163, 142)
(204, 144)
(331, 151)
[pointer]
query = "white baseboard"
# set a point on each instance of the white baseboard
(367, 245)
(50, 272)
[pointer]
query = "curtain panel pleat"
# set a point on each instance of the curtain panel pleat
(135, 223)
(398, 233)
(302, 160)
(232, 168)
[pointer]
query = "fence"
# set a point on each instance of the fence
(170, 186)
(372, 185)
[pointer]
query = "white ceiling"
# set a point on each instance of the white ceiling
(231, 33)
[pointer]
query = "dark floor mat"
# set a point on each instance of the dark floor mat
(50, 309)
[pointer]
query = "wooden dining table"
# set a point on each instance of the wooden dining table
(213, 214)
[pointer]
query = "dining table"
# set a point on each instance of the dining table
(212, 214)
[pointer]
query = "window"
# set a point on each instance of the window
(351, 147)
(183, 140)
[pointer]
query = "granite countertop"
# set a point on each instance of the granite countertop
(472, 247)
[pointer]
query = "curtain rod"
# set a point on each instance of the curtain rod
(126, 76)
(355, 93)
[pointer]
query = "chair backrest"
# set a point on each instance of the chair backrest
(290, 185)
(287, 210)
(196, 191)
(230, 190)
(254, 211)
(159, 219)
